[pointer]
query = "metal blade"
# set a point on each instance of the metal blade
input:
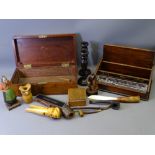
(101, 98)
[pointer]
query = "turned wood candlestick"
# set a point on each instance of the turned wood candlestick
(84, 71)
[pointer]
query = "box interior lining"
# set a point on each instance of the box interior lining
(123, 81)
(42, 75)
(127, 71)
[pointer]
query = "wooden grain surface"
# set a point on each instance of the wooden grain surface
(127, 62)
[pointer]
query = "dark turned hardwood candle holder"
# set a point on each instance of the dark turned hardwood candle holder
(84, 71)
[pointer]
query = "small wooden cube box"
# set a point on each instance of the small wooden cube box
(48, 62)
(76, 97)
(126, 70)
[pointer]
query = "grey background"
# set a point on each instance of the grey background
(137, 33)
(131, 119)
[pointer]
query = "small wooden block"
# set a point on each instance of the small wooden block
(76, 97)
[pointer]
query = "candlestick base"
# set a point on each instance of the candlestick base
(82, 81)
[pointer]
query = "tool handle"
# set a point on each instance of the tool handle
(130, 99)
(67, 111)
(50, 102)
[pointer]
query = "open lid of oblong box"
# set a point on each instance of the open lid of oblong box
(45, 50)
(127, 55)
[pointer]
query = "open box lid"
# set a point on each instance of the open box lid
(141, 58)
(45, 50)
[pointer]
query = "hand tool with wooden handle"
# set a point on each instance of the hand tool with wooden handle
(130, 99)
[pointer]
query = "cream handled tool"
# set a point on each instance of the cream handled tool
(130, 99)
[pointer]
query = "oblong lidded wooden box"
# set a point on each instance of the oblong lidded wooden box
(48, 62)
(126, 70)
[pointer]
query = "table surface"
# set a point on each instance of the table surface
(130, 119)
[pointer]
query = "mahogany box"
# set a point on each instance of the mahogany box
(126, 71)
(48, 62)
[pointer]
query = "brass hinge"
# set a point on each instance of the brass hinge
(42, 36)
(65, 64)
(28, 66)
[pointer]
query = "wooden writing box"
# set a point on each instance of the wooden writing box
(125, 70)
(48, 62)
